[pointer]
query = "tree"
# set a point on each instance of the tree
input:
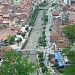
(40, 55)
(41, 59)
(50, 29)
(44, 44)
(43, 32)
(69, 53)
(70, 32)
(41, 64)
(27, 28)
(46, 73)
(23, 34)
(44, 36)
(45, 18)
(19, 40)
(10, 38)
(68, 70)
(31, 22)
(40, 40)
(49, 57)
(44, 27)
(14, 64)
(44, 69)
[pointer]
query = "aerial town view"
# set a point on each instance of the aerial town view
(37, 37)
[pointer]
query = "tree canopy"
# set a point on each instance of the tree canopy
(45, 18)
(10, 38)
(69, 70)
(70, 32)
(14, 64)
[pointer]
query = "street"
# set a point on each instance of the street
(35, 34)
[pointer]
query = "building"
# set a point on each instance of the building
(40, 1)
(72, 1)
(67, 2)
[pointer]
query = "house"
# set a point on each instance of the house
(60, 41)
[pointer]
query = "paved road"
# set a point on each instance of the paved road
(33, 39)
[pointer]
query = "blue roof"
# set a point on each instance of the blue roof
(61, 63)
(57, 56)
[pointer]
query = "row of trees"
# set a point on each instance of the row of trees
(33, 16)
(42, 40)
(44, 18)
(41, 62)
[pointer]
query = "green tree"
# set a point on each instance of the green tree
(27, 28)
(44, 69)
(70, 32)
(44, 36)
(69, 53)
(23, 34)
(31, 22)
(46, 73)
(49, 57)
(44, 44)
(41, 64)
(68, 70)
(41, 59)
(50, 29)
(43, 32)
(10, 38)
(40, 40)
(44, 27)
(14, 64)
(40, 55)
(18, 40)
(45, 18)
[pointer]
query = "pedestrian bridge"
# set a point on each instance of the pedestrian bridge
(43, 8)
(34, 51)
(36, 28)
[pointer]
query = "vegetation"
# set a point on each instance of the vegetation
(69, 70)
(49, 57)
(33, 16)
(23, 34)
(44, 27)
(69, 53)
(41, 62)
(42, 41)
(14, 64)
(31, 22)
(44, 69)
(46, 73)
(45, 18)
(10, 39)
(27, 28)
(19, 40)
(40, 55)
(54, 4)
(41, 59)
(70, 32)
(43, 32)
(50, 29)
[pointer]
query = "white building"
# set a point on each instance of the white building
(67, 2)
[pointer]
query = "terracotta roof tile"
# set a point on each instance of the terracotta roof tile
(6, 15)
